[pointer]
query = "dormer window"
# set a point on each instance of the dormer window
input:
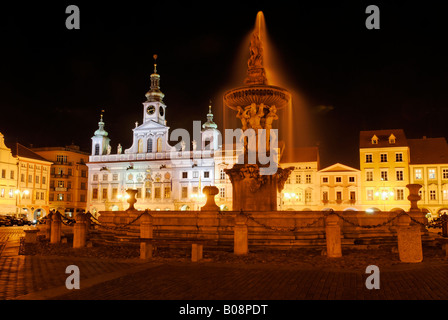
(392, 139)
(374, 139)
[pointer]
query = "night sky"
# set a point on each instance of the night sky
(55, 82)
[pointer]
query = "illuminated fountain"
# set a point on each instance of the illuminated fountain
(256, 104)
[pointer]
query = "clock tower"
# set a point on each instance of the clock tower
(153, 107)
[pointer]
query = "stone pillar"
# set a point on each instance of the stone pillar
(409, 241)
(55, 228)
(333, 236)
(80, 231)
(146, 232)
(196, 252)
(48, 220)
(240, 235)
(88, 220)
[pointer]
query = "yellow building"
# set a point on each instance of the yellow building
(429, 167)
(339, 188)
(8, 180)
(33, 182)
(69, 178)
(384, 165)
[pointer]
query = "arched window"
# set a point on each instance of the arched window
(140, 146)
(97, 149)
(149, 145)
(159, 145)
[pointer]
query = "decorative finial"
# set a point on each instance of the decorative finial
(155, 64)
(102, 111)
(210, 107)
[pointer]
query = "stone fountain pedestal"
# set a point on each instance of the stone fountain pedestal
(253, 191)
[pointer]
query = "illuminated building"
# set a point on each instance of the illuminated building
(8, 180)
(166, 177)
(68, 178)
(33, 182)
(339, 187)
(384, 165)
(429, 167)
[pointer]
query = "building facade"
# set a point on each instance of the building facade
(8, 180)
(68, 178)
(384, 165)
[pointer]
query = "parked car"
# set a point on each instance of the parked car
(5, 221)
(24, 222)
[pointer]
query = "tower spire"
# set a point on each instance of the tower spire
(154, 93)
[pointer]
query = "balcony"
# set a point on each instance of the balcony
(63, 163)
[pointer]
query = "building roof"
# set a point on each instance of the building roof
(23, 152)
(428, 151)
(304, 154)
(365, 138)
(339, 167)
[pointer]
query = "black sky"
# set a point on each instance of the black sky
(55, 82)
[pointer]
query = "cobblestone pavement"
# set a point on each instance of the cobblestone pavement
(267, 275)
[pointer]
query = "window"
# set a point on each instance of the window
(338, 179)
(69, 197)
(104, 193)
(115, 177)
(222, 192)
(44, 180)
(369, 194)
(149, 145)
(11, 193)
(69, 172)
(157, 193)
(222, 174)
(325, 196)
(399, 175)
(139, 193)
(148, 192)
(83, 186)
(384, 175)
(3, 174)
(95, 177)
(167, 192)
(185, 175)
(61, 158)
(324, 179)
(69, 184)
(369, 175)
(51, 197)
(351, 179)
(399, 194)
(83, 173)
(195, 190)
(369, 158)
(195, 174)
(105, 177)
(22, 177)
(30, 178)
(431, 173)
(97, 149)
(307, 195)
(114, 193)
(445, 194)
(82, 198)
(11, 175)
(184, 192)
(432, 195)
(2, 192)
(418, 174)
(338, 195)
(399, 157)
(37, 179)
(61, 184)
(308, 178)
(352, 195)
(298, 178)
(206, 174)
(383, 157)
(60, 197)
(445, 174)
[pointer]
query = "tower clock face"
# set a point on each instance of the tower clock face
(161, 111)
(150, 110)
